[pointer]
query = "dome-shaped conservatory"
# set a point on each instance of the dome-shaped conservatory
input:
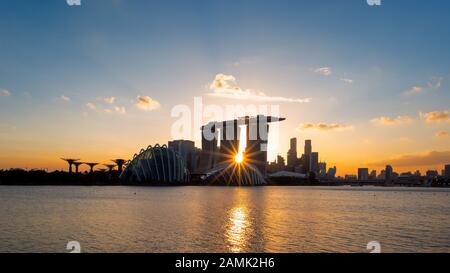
(158, 164)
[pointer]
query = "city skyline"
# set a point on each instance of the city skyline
(94, 81)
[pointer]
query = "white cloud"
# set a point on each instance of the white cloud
(434, 84)
(225, 86)
(109, 100)
(91, 105)
(64, 98)
(324, 71)
(349, 81)
(120, 109)
(414, 90)
(436, 116)
(324, 127)
(146, 103)
(388, 121)
(5, 93)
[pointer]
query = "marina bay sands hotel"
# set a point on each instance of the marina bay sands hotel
(180, 161)
(228, 133)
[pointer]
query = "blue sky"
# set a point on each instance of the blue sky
(171, 51)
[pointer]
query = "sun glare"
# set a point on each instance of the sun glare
(239, 158)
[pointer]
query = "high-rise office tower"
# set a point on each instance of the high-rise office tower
(332, 172)
(363, 174)
(447, 171)
(389, 173)
(373, 175)
(280, 163)
(187, 150)
(292, 154)
(308, 147)
(314, 163)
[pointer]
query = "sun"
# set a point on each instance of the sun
(239, 158)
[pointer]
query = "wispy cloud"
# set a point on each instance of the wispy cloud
(109, 100)
(324, 71)
(414, 90)
(324, 127)
(423, 159)
(91, 105)
(120, 109)
(5, 93)
(146, 103)
(64, 98)
(388, 121)
(435, 116)
(349, 81)
(442, 134)
(433, 84)
(225, 86)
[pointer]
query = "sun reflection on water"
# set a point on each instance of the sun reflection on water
(238, 229)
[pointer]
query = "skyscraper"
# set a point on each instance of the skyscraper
(331, 173)
(447, 171)
(187, 150)
(308, 147)
(322, 169)
(292, 154)
(389, 173)
(363, 174)
(314, 162)
(306, 157)
(373, 175)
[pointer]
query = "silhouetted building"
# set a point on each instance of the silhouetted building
(187, 150)
(382, 175)
(373, 175)
(351, 177)
(158, 164)
(314, 162)
(447, 171)
(389, 173)
(308, 147)
(257, 131)
(292, 159)
(331, 174)
(277, 165)
(432, 174)
(230, 132)
(257, 140)
(363, 174)
(322, 169)
(208, 157)
(280, 162)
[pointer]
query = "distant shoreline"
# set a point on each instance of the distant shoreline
(42, 178)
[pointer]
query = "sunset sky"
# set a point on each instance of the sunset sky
(369, 85)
